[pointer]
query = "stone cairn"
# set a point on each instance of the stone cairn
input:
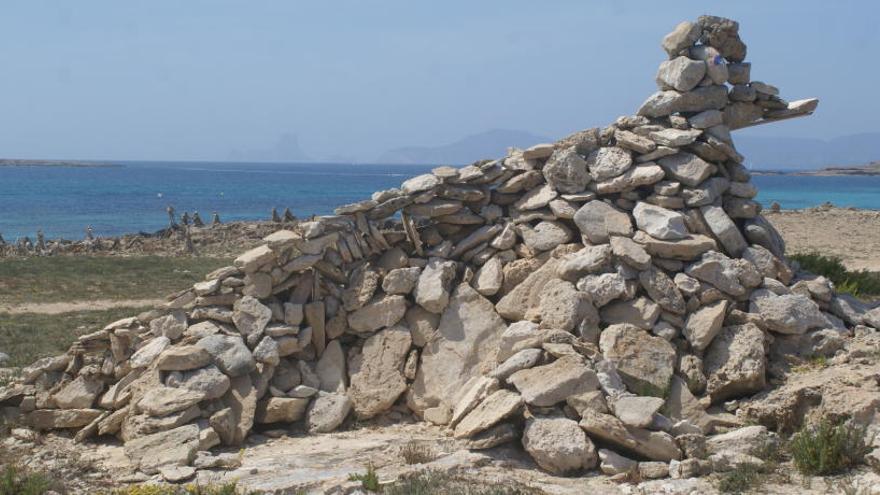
(612, 288)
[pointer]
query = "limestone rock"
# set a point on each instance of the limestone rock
(645, 362)
(655, 445)
(250, 316)
(704, 324)
(182, 358)
(281, 410)
(662, 290)
(607, 162)
(175, 447)
(727, 233)
(636, 411)
(327, 412)
(496, 407)
(564, 307)
(659, 222)
(735, 363)
(598, 220)
(548, 385)
(566, 172)
(544, 236)
(682, 37)
(331, 368)
(786, 314)
(400, 280)
(377, 372)
(465, 345)
(230, 354)
(432, 290)
(489, 277)
(379, 313)
(681, 73)
(558, 445)
(640, 312)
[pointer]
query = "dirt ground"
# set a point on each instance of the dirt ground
(851, 234)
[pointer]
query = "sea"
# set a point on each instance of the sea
(132, 197)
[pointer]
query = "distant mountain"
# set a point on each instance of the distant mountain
(775, 153)
(286, 149)
(489, 144)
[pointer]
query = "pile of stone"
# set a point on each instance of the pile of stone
(595, 299)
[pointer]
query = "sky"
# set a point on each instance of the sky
(212, 79)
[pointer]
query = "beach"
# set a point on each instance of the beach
(851, 234)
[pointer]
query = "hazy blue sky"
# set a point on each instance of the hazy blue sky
(190, 79)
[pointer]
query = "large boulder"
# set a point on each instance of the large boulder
(464, 345)
(558, 445)
(377, 371)
(735, 362)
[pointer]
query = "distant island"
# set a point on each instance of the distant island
(871, 169)
(14, 162)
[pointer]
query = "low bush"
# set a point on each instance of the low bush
(829, 448)
(858, 283)
(744, 478)
(414, 452)
(16, 480)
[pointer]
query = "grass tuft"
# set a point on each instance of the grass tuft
(414, 452)
(829, 448)
(857, 283)
(190, 489)
(742, 479)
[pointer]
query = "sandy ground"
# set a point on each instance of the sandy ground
(853, 235)
(71, 306)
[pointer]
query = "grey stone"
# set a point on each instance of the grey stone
(786, 314)
(659, 222)
(662, 290)
(465, 345)
(665, 103)
(566, 172)
(727, 233)
(558, 445)
(377, 372)
(400, 280)
(735, 363)
(495, 408)
(432, 289)
(607, 162)
(682, 37)
(687, 168)
(603, 288)
(681, 73)
(641, 312)
(645, 362)
(550, 384)
(230, 354)
(598, 220)
(544, 236)
(380, 313)
(327, 412)
(704, 324)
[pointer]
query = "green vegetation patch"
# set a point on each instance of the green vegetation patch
(29, 336)
(78, 278)
(15, 480)
(829, 448)
(860, 283)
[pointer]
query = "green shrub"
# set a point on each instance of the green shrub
(369, 480)
(15, 480)
(744, 478)
(828, 448)
(858, 283)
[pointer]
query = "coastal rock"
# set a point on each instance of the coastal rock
(645, 362)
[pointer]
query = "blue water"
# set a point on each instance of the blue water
(63, 201)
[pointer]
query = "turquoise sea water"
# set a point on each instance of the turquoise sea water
(132, 198)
